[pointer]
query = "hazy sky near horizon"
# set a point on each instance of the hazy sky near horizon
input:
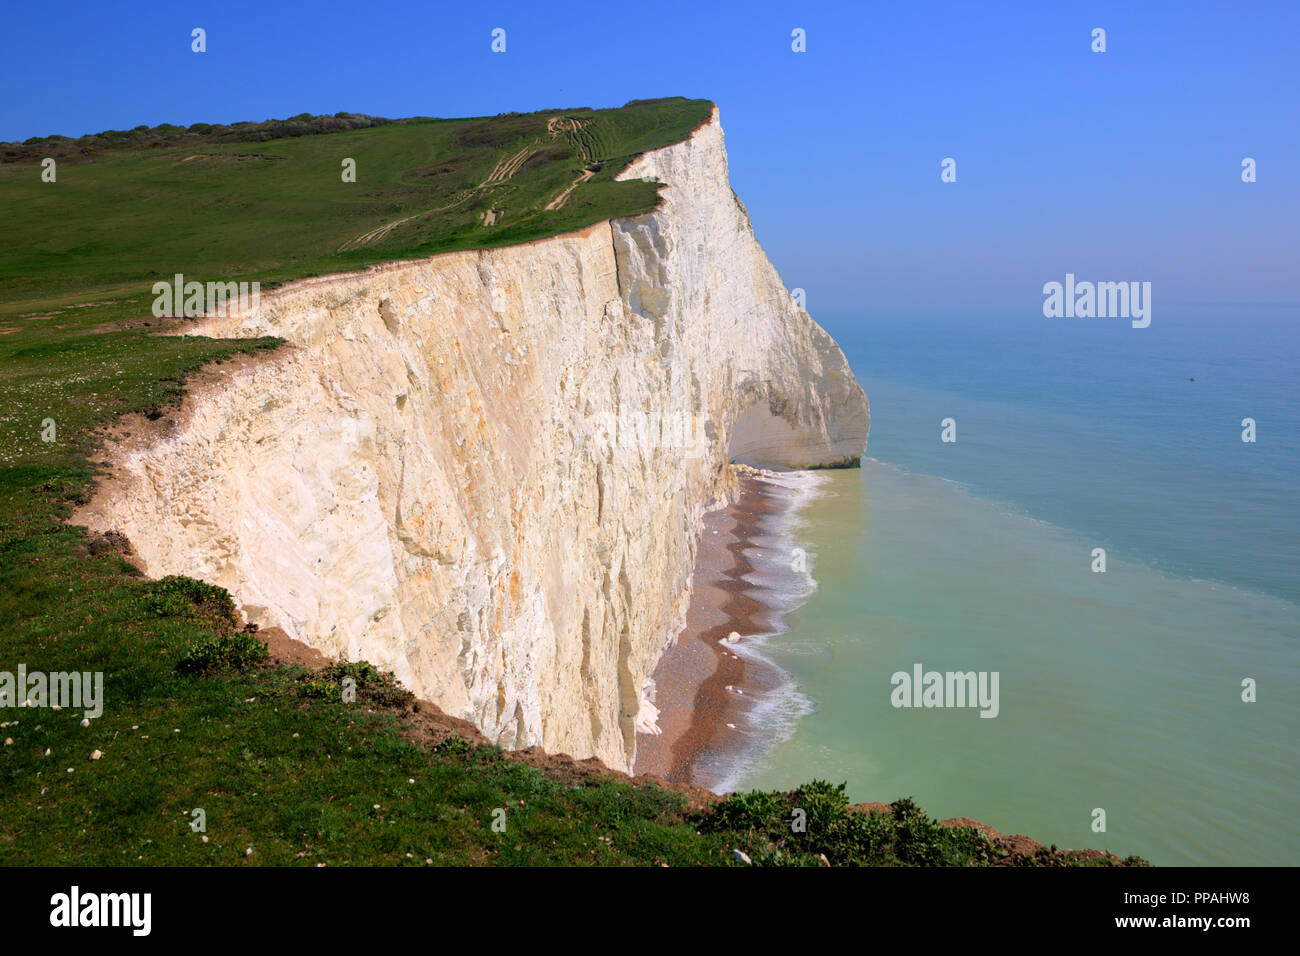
(1122, 165)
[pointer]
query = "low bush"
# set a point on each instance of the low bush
(373, 686)
(179, 596)
(239, 651)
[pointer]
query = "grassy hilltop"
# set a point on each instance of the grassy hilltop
(213, 203)
(194, 716)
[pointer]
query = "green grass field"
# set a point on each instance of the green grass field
(284, 772)
(118, 219)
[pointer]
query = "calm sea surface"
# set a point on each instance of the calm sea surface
(1119, 691)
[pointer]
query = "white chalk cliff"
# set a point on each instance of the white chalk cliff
(486, 471)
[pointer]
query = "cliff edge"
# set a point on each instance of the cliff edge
(486, 471)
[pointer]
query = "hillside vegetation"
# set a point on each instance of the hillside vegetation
(194, 716)
(222, 203)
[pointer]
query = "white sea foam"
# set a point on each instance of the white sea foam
(782, 580)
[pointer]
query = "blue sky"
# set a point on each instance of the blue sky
(1123, 165)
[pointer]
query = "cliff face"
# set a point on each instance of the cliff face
(486, 471)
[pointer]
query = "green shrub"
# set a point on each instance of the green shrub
(756, 810)
(374, 687)
(823, 803)
(238, 651)
(179, 596)
(453, 746)
(318, 688)
(761, 823)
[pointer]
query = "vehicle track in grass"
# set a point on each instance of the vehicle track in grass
(572, 130)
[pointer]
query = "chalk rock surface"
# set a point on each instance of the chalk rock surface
(487, 471)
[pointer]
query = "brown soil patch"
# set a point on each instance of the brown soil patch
(287, 652)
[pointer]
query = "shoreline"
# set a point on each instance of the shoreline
(704, 690)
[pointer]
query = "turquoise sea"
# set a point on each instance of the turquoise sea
(1119, 691)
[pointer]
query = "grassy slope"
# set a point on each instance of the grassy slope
(298, 778)
(116, 221)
